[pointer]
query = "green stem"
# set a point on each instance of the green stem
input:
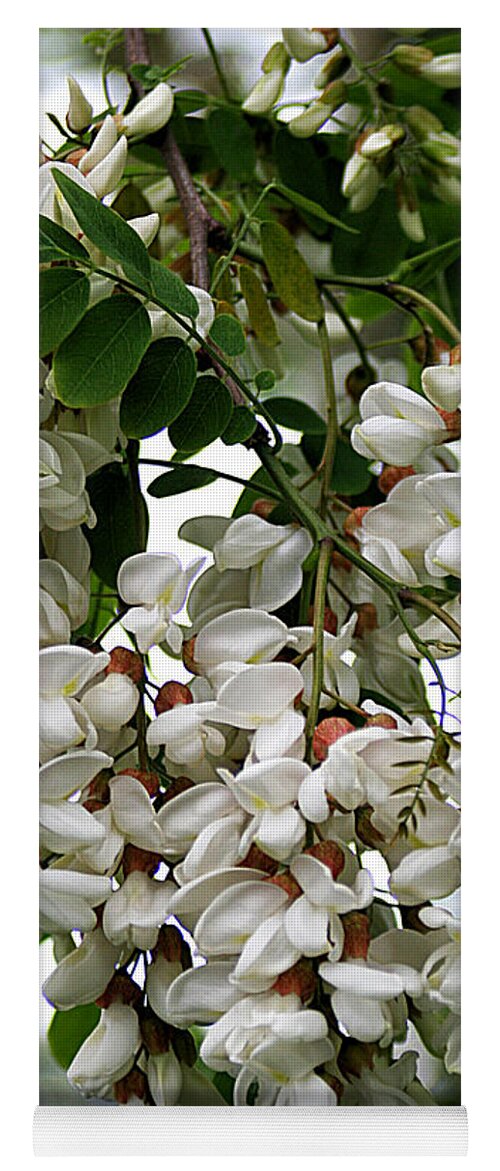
(219, 273)
(415, 296)
(324, 562)
(446, 619)
(332, 426)
(353, 333)
(172, 463)
(216, 63)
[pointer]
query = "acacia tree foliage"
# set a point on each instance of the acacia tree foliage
(210, 271)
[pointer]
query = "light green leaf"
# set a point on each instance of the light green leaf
(227, 333)
(205, 417)
(291, 277)
(159, 390)
(68, 1030)
(313, 208)
(261, 318)
(98, 359)
(64, 295)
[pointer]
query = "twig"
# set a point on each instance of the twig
(411, 596)
(325, 556)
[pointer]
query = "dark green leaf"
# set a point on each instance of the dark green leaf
(181, 479)
(205, 417)
(189, 100)
(291, 277)
(160, 389)
(350, 471)
(107, 230)
(262, 480)
(265, 379)
(261, 318)
(168, 288)
(232, 141)
(224, 1083)
(68, 1030)
(114, 537)
(57, 244)
(381, 245)
(291, 412)
(227, 333)
(64, 295)
(241, 426)
(313, 208)
(98, 359)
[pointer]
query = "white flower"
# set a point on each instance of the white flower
(427, 873)
(397, 425)
(415, 536)
(64, 503)
(304, 43)
(129, 817)
(112, 703)
(108, 1054)
(269, 792)
(79, 114)
(360, 182)
(262, 698)
(134, 913)
(67, 898)
(442, 386)
(52, 202)
(267, 90)
(274, 553)
(63, 603)
(65, 825)
(202, 994)
(362, 997)
(243, 636)
(155, 585)
(82, 976)
(339, 676)
(64, 671)
(186, 735)
(444, 70)
(313, 922)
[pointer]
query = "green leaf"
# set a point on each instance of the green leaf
(232, 141)
(291, 277)
(227, 333)
(160, 389)
(265, 379)
(64, 295)
(68, 1030)
(261, 318)
(366, 305)
(420, 270)
(189, 100)
(381, 245)
(107, 230)
(114, 537)
(262, 480)
(168, 288)
(241, 426)
(205, 417)
(350, 475)
(313, 208)
(98, 359)
(224, 1083)
(181, 479)
(291, 412)
(57, 244)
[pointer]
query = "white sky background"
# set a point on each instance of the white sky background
(19, 533)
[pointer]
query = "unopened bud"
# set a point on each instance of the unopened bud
(411, 222)
(356, 936)
(106, 175)
(444, 71)
(304, 43)
(422, 122)
(443, 149)
(301, 980)
(409, 58)
(378, 144)
(357, 381)
(367, 619)
(149, 781)
(390, 476)
(125, 662)
(170, 695)
(360, 182)
(103, 143)
(334, 67)
(265, 93)
(315, 116)
(330, 854)
(151, 113)
(276, 58)
(327, 733)
(79, 115)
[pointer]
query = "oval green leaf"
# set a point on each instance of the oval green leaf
(169, 288)
(98, 359)
(181, 479)
(160, 389)
(291, 277)
(241, 426)
(68, 1030)
(107, 230)
(227, 333)
(115, 535)
(57, 244)
(232, 141)
(291, 412)
(205, 417)
(64, 296)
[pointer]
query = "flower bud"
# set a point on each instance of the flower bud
(442, 148)
(276, 58)
(390, 476)
(79, 114)
(265, 93)
(125, 662)
(328, 732)
(356, 936)
(334, 67)
(378, 144)
(151, 113)
(411, 222)
(304, 43)
(422, 122)
(360, 182)
(170, 695)
(103, 143)
(442, 386)
(315, 116)
(444, 71)
(358, 380)
(106, 175)
(367, 619)
(146, 227)
(410, 58)
(301, 980)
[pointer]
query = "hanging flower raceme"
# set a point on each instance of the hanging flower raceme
(64, 723)
(397, 425)
(415, 536)
(155, 585)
